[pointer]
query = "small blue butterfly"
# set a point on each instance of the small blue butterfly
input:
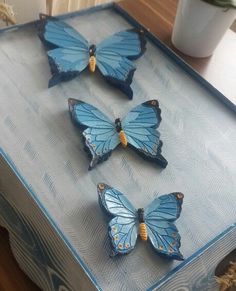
(137, 130)
(70, 53)
(154, 222)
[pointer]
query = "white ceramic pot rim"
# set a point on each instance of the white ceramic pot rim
(199, 27)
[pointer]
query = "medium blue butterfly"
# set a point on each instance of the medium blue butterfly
(154, 222)
(70, 53)
(137, 130)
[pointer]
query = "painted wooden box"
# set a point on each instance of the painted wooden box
(48, 198)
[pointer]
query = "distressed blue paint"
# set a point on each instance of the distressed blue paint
(221, 157)
(70, 53)
(102, 135)
(34, 246)
(12, 216)
(158, 217)
(204, 254)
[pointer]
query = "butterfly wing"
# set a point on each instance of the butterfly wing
(117, 70)
(56, 33)
(114, 56)
(99, 132)
(127, 43)
(159, 218)
(140, 128)
(66, 63)
(68, 52)
(123, 226)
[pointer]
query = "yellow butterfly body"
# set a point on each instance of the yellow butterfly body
(143, 231)
(123, 138)
(92, 64)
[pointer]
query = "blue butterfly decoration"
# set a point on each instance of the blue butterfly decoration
(154, 223)
(69, 53)
(137, 130)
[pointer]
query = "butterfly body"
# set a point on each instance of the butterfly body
(92, 58)
(122, 135)
(123, 138)
(92, 64)
(142, 226)
(153, 224)
(69, 53)
(137, 130)
(143, 231)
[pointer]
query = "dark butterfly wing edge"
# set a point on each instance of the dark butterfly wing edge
(142, 40)
(101, 189)
(158, 159)
(71, 103)
(43, 18)
(57, 76)
(175, 255)
(123, 86)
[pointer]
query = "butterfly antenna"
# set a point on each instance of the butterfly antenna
(43, 16)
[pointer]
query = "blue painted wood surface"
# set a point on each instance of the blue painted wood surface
(136, 130)
(69, 53)
(36, 132)
(155, 223)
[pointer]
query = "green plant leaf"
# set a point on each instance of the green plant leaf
(222, 3)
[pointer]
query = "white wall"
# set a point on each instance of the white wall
(62, 6)
(27, 10)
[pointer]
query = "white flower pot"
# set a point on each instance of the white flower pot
(199, 27)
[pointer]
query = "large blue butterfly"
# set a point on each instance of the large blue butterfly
(70, 53)
(137, 130)
(154, 222)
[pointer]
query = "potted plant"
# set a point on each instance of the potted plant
(200, 25)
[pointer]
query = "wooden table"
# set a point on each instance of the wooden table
(219, 70)
(11, 276)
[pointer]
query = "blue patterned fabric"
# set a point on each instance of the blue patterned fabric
(69, 53)
(101, 135)
(158, 217)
